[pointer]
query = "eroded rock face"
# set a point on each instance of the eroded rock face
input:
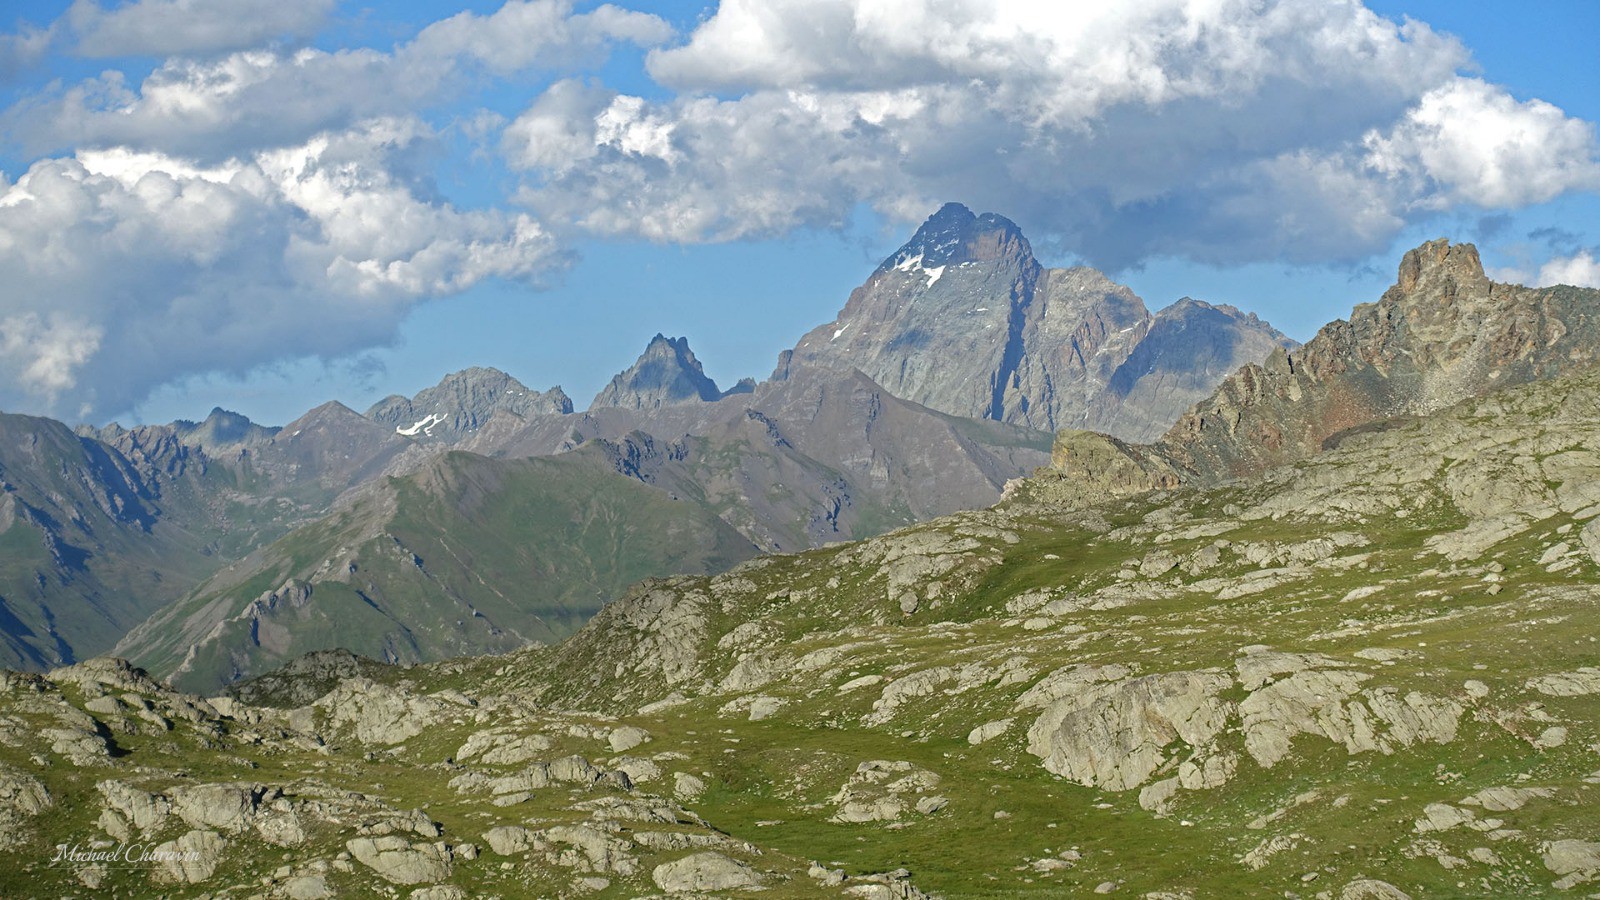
(1441, 334)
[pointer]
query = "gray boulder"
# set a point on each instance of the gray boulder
(708, 871)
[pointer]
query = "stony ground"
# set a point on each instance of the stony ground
(1372, 675)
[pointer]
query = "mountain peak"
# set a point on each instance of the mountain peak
(666, 374)
(955, 235)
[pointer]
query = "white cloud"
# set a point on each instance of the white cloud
(216, 108)
(127, 269)
(1581, 269)
(1224, 130)
(1474, 143)
(189, 27)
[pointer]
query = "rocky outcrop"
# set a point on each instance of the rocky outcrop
(376, 713)
(189, 859)
(708, 871)
(1116, 733)
(400, 861)
(1443, 333)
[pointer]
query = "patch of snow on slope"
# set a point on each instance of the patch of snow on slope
(425, 426)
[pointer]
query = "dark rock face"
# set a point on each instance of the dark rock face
(666, 374)
(1442, 334)
(463, 401)
(964, 320)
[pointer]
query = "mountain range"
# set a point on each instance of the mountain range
(942, 379)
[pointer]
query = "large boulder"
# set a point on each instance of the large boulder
(708, 871)
(400, 861)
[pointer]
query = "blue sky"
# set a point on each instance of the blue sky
(265, 205)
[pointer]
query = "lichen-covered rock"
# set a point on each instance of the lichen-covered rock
(377, 713)
(190, 859)
(508, 840)
(1116, 734)
(592, 850)
(22, 794)
(143, 810)
(224, 807)
(1580, 683)
(399, 861)
(708, 871)
(502, 747)
(882, 790)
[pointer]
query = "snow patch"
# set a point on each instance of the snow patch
(425, 426)
(839, 332)
(910, 262)
(934, 275)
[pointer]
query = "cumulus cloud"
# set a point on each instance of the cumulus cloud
(128, 269)
(212, 109)
(23, 49)
(1225, 131)
(248, 202)
(1582, 269)
(1471, 142)
(188, 27)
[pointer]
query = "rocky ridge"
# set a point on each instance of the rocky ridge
(1442, 334)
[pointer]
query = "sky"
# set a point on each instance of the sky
(267, 204)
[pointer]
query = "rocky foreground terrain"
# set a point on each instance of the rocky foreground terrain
(1370, 674)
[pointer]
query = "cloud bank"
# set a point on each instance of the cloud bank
(1225, 131)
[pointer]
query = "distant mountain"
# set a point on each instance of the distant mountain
(102, 527)
(465, 555)
(666, 374)
(462, 401)
(964, 320)
(819, 457)
(85, 551)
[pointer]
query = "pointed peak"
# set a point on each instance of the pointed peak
(955, 235)
(666, 373)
